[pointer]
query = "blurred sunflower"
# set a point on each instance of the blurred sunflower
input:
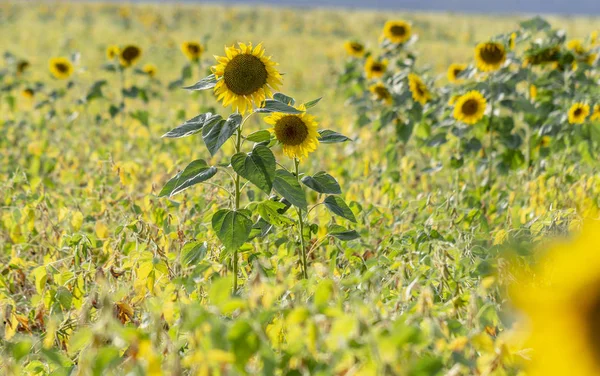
(245, 77)
(130, 55)
(149, 69)
(512, 41)
(297, 133)
(590, 59)
(489, 56)
(454, 70)
(354, 49)
(532, 92)
(192, 50)
(375, 68)
(453, 99)
(596, 113)
(576, 45)
(470, 107)
(380, 92)
(418, 89)
(578, 112)
(397, 31)
(22, 66)
(561, 300)
(60, 67)
(112, 52)
(594, 38)
(27, 93)
(542, 56)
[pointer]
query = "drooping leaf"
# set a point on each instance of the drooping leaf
(272, 105)
(284, 99)
(193, 125)
(206, 83)
(312, 103)
(339, 207)
(194, 173)
(232, 228)
(217, 132)
(287, 185)
(269, 211)
(322, 182)
(193, 252)
(331, 137)
(258, 167)
(342, 233)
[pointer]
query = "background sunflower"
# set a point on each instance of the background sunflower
(61, 67)
(420, 92)
(375, 68)
(130, 55)
(490, 56)
(578, 113)
(470, 107)
(454, 70)
(397, 31)
(354, 48)
(192, 50)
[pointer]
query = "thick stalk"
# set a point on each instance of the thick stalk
(491, 130)
(301, 227)
(238, 147)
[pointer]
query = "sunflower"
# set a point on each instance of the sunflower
(540, 56)
(130, 55)
(192, 50)
(576, 45)
(297, 133)
(375, 68)
(245, 77)
(596, 113)
(397, 31)
(594, 38)
(489, 56)
(454, 70)
(22, 66)
(419, 90)
(60, 67)
(112, 52)
(561, 302)
(512, 41)
(380, 92)
(533, 92)
(590, 58)
(149, 69)
(27, 93)
(354, 49)
(470, 107)
(578, 112)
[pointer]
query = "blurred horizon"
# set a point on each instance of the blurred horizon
(560, 7)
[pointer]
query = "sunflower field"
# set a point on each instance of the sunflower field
(217, 190)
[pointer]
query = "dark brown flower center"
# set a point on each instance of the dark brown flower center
(457, 71)
(381, 92)
(377, 67)
(22, 65)
(492, 53)
(470, 107)
(130, 53)
(193, 48)
(245, 74)
(578, 111)
(357, 47)
(291, 130)
(398, 30)
(61, 67)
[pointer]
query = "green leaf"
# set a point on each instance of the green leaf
(322, 182)
(535, 24)
(141, 116)
(95, 90)
(272, 105)
(286, 184)
(312, 103)
(194, 173)
(338, 206)
(269, 211)
(331, 137)
(259, 136)
(258, 167)
(342, 233)
(244, 342)
(216, 133)
(193, 252)
(284, 99)
(232, 228)
(206, 83)
(193, 125)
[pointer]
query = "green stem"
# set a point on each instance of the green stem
(122, 104)
(491, 130)
(301, 227)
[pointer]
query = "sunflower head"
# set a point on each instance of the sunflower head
(245, 77)
(590, 58)
(60, 67)
(420, 92)
(192, 50)
(149, 69)
(454, 70)
(470, 107)
(297, 133)
(27, 93)
(22, 66)
(544, 55)
(130, 55)
(576, 45)
(112, 52)
(596, 113)
(380, 92)
(397, 31)
(560, 298)
(578, 113)
(355, 49)
(490, 56)
(375, 68)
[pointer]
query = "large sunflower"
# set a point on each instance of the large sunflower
(578, 112)
(596, 113)
(375, 68)
(454, 70)
(418, 89)
(192, 50)
(112, 52)
(246, 76)
(297, 133)
(490, 56)
(61, 67)
(561, 300)
(354, 48)
(380, 92)
(397, 31)
(130, 55)
(470, 107)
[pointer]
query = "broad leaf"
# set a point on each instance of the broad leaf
(339, 207)
(287, 185)
(269, 211)
(342, 233)
(258, 167)
(331, 137)
(194, 173)
(322, 182)
(259, 136)
(216, 133)
(284, 99)
(272, 105)
(193, 252)
(206, 83)
(232, 228)
(193, 125)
